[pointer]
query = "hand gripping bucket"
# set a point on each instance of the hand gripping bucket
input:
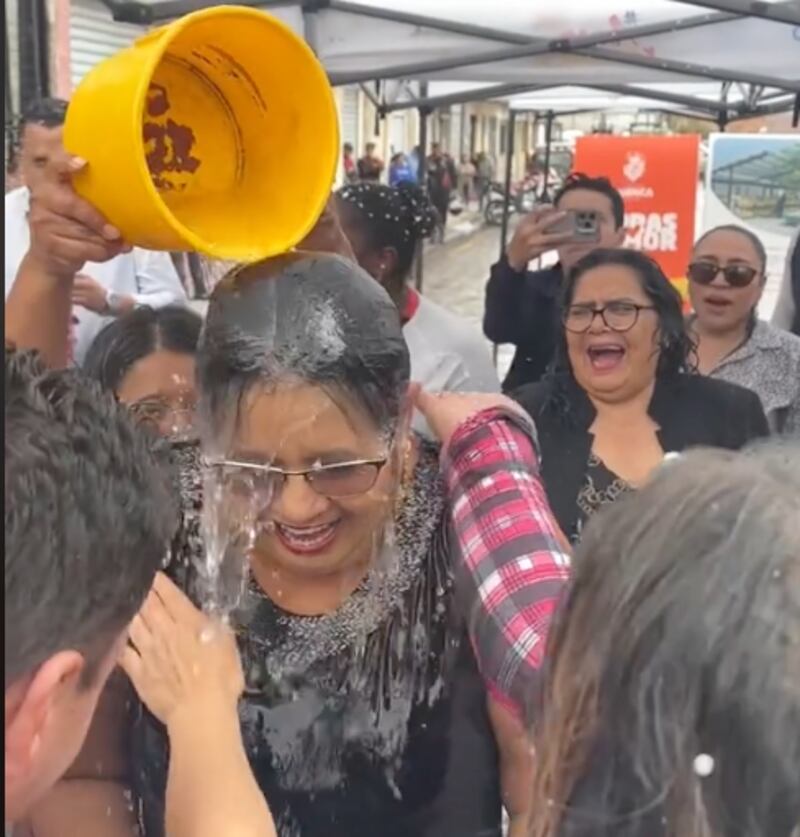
(217, 133)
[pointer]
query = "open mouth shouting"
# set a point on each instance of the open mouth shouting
(605, 357)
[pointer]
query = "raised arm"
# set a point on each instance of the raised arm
(66, 232)
(512, 309)
(513, 567)
(186, 669)
(513, 560)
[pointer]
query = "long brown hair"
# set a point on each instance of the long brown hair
(672, 699)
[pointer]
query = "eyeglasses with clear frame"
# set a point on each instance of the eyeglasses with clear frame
(335, 481)
(619, 316)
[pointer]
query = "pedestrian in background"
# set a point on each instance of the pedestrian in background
(370, 166)
(442, 179)
(400, 170)
(466, 178)
(349, 167)
(484, 173)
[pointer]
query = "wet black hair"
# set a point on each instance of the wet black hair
(601, 185)
(683, 619)
(758, 244)
(392, 216)
(677, 350)
(88, 516)
(318, 319)
(137, 335)
(49, 112)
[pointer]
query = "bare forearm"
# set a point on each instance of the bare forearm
(516, 765)
(210, 788)
(38, 312)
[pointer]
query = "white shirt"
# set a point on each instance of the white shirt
(149, 277)
(447, 354)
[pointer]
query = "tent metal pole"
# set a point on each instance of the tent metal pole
(443, 25)
(372, 97)
(548, 145)
(686, 69)
(512, 121)
(422, 171)
(495, 91)
(133, 11)
(659, 96)
(532, 47)
(788, 12)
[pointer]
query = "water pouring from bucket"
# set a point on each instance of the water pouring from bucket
(219, 135)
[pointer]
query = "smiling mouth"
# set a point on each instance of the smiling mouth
(306, 540)
(605, 358)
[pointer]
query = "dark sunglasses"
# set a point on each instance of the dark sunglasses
(736, 275)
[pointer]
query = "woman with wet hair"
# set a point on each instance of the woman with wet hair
(622, 393)
(366, 710)
(727, 277)
(379, 672)
(683, 619)
(385, 226)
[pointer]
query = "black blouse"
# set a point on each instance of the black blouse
(369, 721)
(690, 411)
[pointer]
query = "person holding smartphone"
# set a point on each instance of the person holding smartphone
(588, 213)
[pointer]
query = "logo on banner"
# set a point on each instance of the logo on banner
(635, 166)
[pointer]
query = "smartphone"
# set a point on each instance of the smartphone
(578, 225)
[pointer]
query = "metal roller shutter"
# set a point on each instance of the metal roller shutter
(349, 116)
(94, 36)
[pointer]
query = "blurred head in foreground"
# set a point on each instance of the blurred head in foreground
(88, 517)
(673, 697)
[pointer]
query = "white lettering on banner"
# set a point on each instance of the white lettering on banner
(638, 192)
(652, 232)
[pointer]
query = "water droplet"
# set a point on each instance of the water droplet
(704, 765)
(207, 634)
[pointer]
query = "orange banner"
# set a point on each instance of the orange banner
(658, 179)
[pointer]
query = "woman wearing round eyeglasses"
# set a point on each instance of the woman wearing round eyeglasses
(726, 280)
(621, 393)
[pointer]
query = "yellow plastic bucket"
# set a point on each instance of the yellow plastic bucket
(217, 133)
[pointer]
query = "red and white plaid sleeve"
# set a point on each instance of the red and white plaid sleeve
(514, 561)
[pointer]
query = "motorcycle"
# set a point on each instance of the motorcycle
(522, 200)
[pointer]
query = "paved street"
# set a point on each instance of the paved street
(456, 274)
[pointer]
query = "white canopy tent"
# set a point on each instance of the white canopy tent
(721, 59)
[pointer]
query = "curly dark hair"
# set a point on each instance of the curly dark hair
(677, 351)
(89, 515)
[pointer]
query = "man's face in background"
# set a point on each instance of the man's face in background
(40, 149)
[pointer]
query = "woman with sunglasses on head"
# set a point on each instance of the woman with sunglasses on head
(726, 280)
(621, 393)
